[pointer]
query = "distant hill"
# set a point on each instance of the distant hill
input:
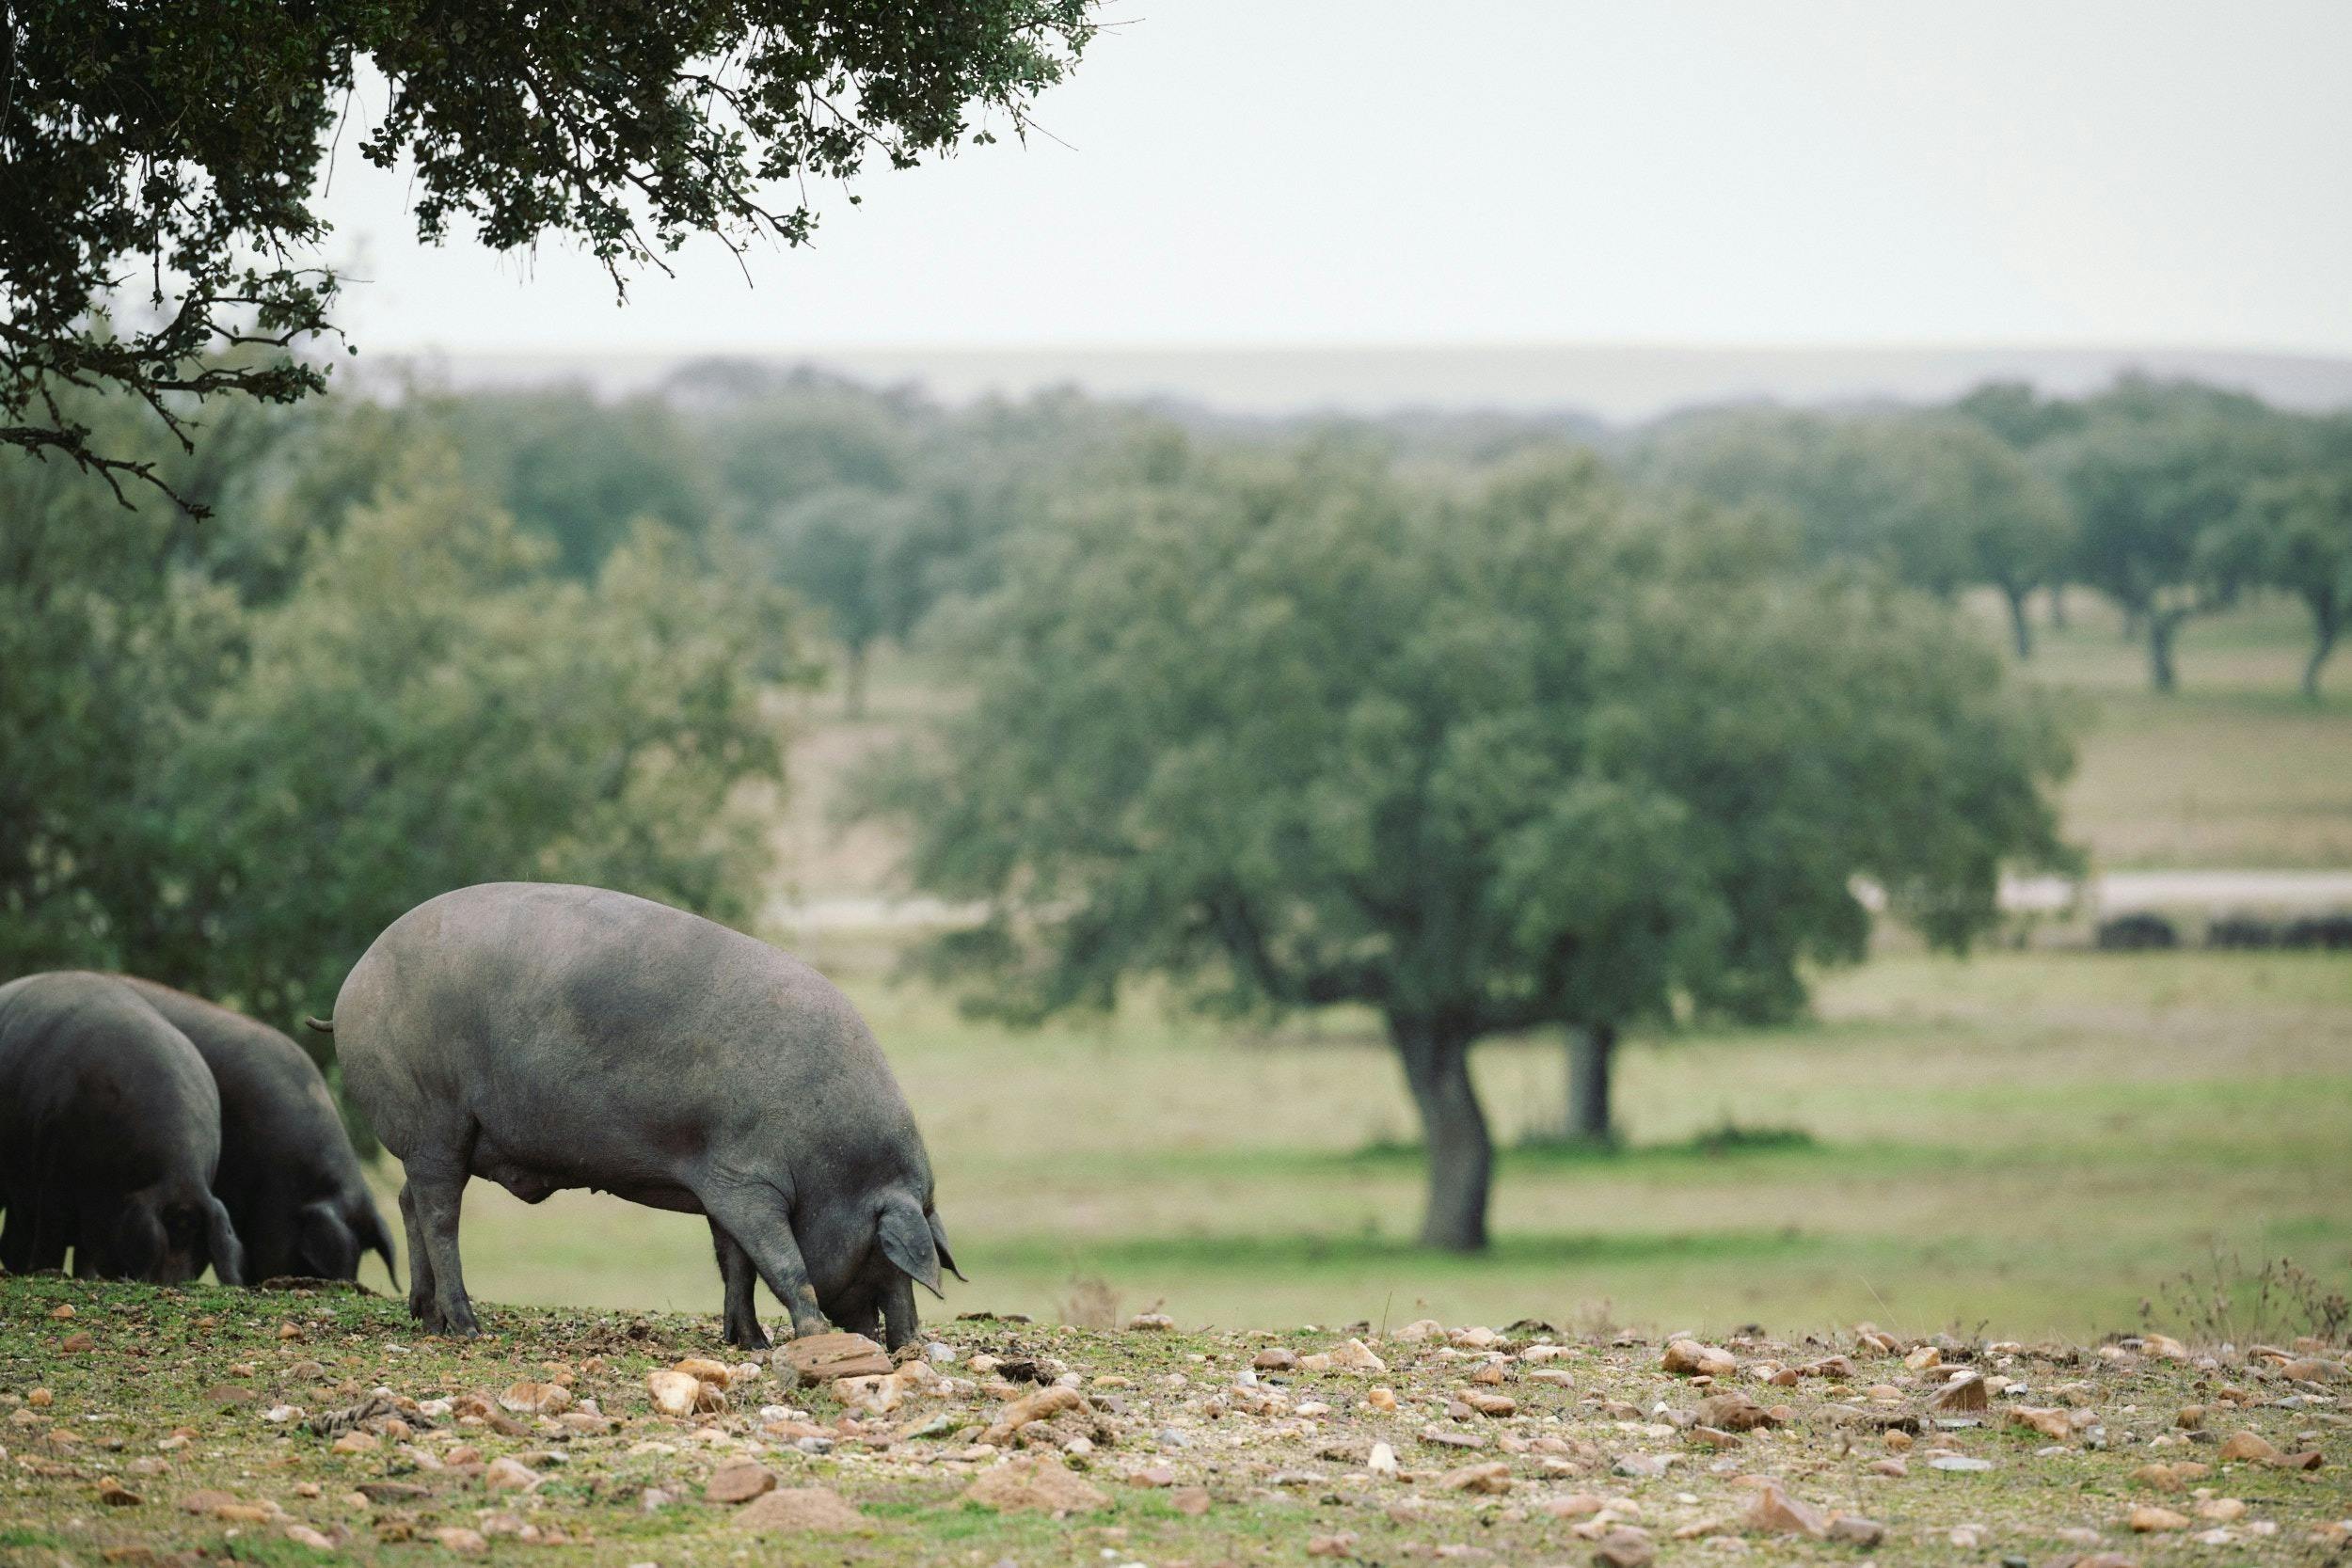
(1617, 383)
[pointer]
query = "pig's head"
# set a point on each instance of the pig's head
(331, 1234)
(170, 1231)
(858, 1253)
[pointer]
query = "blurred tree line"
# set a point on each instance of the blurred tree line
(1484, 726)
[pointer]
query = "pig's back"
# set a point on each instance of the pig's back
(592, 1034)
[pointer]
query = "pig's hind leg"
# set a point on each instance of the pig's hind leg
(757, 1215)
(735, 1269)
(432, 1199)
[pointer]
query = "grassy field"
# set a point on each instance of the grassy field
(2234, 769)
(2035, 1141)
(142, 1426)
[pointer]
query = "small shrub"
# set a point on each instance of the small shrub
(2137, 933)
(2244, 932)
(2328, 932)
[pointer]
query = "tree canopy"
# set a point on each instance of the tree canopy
(1291, 732)
(159, 164)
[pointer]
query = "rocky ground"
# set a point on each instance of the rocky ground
(291, 1426)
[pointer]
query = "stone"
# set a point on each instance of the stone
(799, 1509)
(1688, 1358)
(114, 1495)
(703, 1369)
(2164, 1347)
(1855, 1530)
(1040, 1484)
(673, 1393)
(1497, 1405)
(1382, 1460)
(536, 1398)
(1733, 1411)
(820, 1358)
(1275, 1360)
(356, 1442)
(509, 1475)
(2147, 1519)
(1624, 1547)
(2050, 1423)
(1773, 1512)
(1154, 1476)
(303, 1535)
(739, 1481)
(1966, 1392)
(1151, 1323)
(465, 1542)
(1190, 1501)
(1043, 1404)
(2221, 1511)
(1357, 1357)
(2248, 1445)
(1483, 1480)
(1959, 1464)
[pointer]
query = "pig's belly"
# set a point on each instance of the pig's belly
(533, 1180)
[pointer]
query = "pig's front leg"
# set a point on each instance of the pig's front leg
(756, 1216)
(735, 1271)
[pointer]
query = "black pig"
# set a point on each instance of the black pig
(547, 1036)
(109, 1137)
(287, 1171)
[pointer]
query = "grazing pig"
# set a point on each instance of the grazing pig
(546, 1037)
(287, 1172)
(109, 1137)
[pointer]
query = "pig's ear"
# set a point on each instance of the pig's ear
(939, 1239)
(906, 1240)
(221, 1240)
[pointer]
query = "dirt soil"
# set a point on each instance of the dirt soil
(142, 1425)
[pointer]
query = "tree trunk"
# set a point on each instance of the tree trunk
(2161, 626)
(2021, 631)
(853, 680)
(1589, 1060)
(1461, 1155)
(2058, 607)
(2325, 645)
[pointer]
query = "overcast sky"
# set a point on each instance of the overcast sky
(1247, 172)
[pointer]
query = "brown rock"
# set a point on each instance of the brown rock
(1043, 1404)
(2050, 1423)
(1191, 1501)
(673, 1393)
(1342, 1544)
(1038, 1483)
(2310, 1460)
(114, 1495)
(1487, 1479)
(1892, 1468)
(2311, 1371)
(1773, 1512)
(537, 1399)
(2145, 1520)
(739, 1481)
(1966, 1392)
(799, 1509)
(703, 1369)
(465, 1542)
(76, 1343)
(1151, 1323)
(2248, 1445)
(1855, 1530)
(1490, 1404)
(1275, 1360)
(1153, 1476)
(819, 1358)
(1688, 1358)
(1733, 1411)
(509, 1475)
(303, 1535)
(1624, 1547)
(2161, 1477)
